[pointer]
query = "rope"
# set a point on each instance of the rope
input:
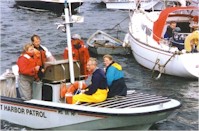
(161, 67)
(118, 26)
(157, 61)
(119, 23)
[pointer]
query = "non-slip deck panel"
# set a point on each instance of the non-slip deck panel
(130, 101)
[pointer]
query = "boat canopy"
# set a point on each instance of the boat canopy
(160, 22)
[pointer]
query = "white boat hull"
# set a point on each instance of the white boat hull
(61, 116)
(126, 5)
(144, 4)
(179, 65)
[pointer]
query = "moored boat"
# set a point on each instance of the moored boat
(102, 43)
(169, 56)
(56, 6)
(144, 4)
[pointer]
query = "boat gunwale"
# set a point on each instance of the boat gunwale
(158, 50)
(107, 35)
(79, 110)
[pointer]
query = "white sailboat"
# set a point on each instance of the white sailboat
(47, 110)
(151, 50)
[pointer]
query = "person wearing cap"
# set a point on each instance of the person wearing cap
(115, 77)
(79, 52)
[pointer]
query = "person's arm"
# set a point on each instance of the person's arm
(65, 53)
(110, 75)
(24, 67)
(92, 88)
(48, 54)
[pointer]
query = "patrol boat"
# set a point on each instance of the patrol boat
(47, 110)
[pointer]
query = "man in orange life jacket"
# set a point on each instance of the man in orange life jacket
(28, 70)
(80, 52)
(41, 54)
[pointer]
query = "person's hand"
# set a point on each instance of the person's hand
(37, 68)
(42, 70)
(51, 59)
(82, 91)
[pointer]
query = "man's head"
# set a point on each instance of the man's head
(173, 24)
(91, 64)
(36, 41)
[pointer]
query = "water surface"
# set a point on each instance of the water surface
(18, 25)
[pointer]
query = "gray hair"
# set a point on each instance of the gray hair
(93, 60)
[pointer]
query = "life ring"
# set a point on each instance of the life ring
(63, 90)
(77, 85)
(190, 40)
(71, 88)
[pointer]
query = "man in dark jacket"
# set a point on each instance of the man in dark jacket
(96, 91)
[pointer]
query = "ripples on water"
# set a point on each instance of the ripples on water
(17, 26)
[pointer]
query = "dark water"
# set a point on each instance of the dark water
(18, 25)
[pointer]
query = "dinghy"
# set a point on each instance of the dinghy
(48, 110)
(102, 43)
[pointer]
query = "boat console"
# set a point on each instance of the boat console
(56, 73)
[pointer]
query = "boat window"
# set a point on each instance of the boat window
(146, 30)
(172, 3)
(47, 93)
(184, 26)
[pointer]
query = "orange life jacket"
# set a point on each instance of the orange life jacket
(40, 57)
(81, 54)
(27, 65)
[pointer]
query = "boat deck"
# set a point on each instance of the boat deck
(130, 101)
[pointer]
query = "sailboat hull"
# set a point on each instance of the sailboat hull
(147, 56)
